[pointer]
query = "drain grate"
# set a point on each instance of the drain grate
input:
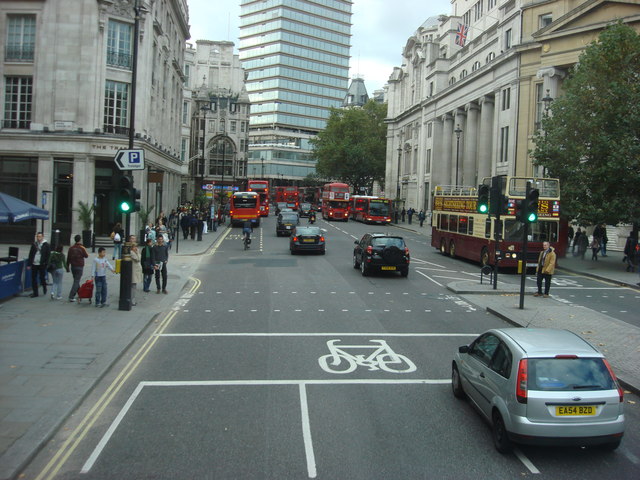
(77, 361)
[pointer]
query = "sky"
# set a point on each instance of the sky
(379, 32)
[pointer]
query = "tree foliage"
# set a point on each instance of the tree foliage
(352, 148)
(590, 140)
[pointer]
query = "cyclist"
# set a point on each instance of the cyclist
(247, 228)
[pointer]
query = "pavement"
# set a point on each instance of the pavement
(54, 352)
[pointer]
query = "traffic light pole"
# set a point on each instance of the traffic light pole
(525, 241)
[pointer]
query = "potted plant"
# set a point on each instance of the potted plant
(144, 214)
(85, 215)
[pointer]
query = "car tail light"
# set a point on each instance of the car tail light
(295, 239)
(613, 375)
(369, 250)
(322, 239)
(569, 357)
(230, 212)
(406, 251)
(521, 384)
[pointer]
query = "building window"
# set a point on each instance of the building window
(212, 126)
(116, 107)
(429, 129)
(119, 45)
(463, 74)
(183, 149)
(452, 80)
(17, 102)
(187, 75)
(427, 162)
(491, 4)
(545, 20)
(506, 99)
(232, 126)
(476, 66)
(477, 10)
(490, 57)
(539, 106)
(507, 39)
(185, 112)
(243, 127)
(222, 126)
(21, 38)
(466, 18)
(504, 144)
(431, 89)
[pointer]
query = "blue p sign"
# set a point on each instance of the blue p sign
(134, 157)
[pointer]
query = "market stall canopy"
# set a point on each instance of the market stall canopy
(13, 209)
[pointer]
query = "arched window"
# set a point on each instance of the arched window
(490, 57)
(222, 153)
(452, 80)
(463, 74)
(476, 66)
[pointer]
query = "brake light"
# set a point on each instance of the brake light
(406, 251)
(613, 375)
(570, 357)
(369, 250)
(521, 384)
(295, 239)
(322, 239)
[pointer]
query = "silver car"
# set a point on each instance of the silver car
(540, 386)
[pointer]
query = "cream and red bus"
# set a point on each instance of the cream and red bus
(459, 231)
(335, 201)
(370, 209)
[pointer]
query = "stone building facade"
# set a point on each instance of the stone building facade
(459, 113)
(67, 77)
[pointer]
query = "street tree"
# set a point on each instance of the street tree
(352, 147)
(590, 140)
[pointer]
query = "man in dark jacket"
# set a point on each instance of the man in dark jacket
(37, 263)
(160, 257)
(75, 260)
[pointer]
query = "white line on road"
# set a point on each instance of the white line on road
(429, 278)
(306, 432)
(333, 334)
(525, 461)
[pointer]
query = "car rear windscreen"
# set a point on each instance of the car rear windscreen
(569, 374)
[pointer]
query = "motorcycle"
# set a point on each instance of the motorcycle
(312, 218)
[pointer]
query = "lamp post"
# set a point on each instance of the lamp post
(204, 110)
(547, 105)
(458, 132)
(262, 165)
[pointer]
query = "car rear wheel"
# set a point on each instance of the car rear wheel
(364, 269)
(456, 384)
(404, 272)
(611, 446)
(356, 264)
(500, 435)
(452, 249)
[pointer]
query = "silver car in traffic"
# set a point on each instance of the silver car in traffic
(540, 386)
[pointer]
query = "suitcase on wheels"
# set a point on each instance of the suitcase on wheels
(86, 290)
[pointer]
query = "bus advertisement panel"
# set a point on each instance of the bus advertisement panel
(261, 187)
(288, 195)
(244, 206)
(335, 201)
(370, 209)
(459, 231)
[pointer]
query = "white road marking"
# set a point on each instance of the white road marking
(307, 334)
(525, 461)
(428, 277)
(306, 432)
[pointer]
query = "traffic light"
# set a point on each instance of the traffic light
(136, 200)
(520, 214)
(483, 199)
(531, 205)
(126, 200)
(504, 205)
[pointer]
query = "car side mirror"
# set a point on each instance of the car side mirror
(356, 242)
(463, 349)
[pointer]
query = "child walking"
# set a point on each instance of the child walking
(99, 274)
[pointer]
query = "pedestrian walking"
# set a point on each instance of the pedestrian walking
(630, 253)
(136, 271)
(99, 274)
(160, 256)
(603, 239)
(75, 261)
(410, 213)
(184, 225)
(595, 248)
(545, 270)
(421, 217)
(146, 263)
(37, 262)
(583, 244)
(403, 213)
(58, 264)
(576, 240)
(570, 233)
(117, 236)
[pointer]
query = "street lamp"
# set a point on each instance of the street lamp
(206, 107)
(547, 105)
(458, 132)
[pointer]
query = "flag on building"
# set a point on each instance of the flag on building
(461, 34)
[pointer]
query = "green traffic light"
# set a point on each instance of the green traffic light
(532, 217)
(483, 208)
(125, 207)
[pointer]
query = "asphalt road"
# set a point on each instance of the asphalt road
(278, 366)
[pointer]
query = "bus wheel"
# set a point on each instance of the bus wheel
(443, 246)
(452, 249)
(484, 256)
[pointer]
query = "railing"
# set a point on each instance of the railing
(455, 190)
(118, 59)
(19, 53)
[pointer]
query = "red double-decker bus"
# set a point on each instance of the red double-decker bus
(335, 201)
(244, 206)
(289, 195)
(459, 231)
(370, 209)
(261, 187)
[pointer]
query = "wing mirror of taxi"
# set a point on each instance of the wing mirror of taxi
(356, 242)
(463, 349)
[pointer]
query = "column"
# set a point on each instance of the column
(437, 154)
(485, 142)
(447, 160)
(469, 169)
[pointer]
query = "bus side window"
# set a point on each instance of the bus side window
(453, 223)
(470, 227)
(462, 225)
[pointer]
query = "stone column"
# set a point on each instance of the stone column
(446, 158)
(469, 170)
(485, 141)
(457, 148)
(438, 167)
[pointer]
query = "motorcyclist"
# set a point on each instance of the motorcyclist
(312, 216)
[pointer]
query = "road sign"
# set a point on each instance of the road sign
(130, 159)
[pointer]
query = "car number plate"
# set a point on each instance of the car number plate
(388, 268)
(576, 410)
(308, 240)
(288, 227)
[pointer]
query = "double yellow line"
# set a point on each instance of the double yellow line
(69, 446)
